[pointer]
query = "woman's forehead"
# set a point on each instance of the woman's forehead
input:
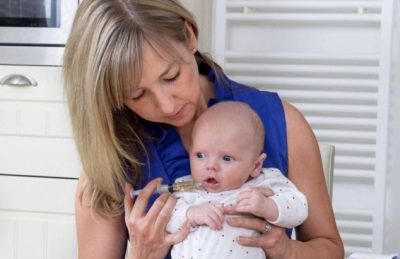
(157, 59)
(163, 49)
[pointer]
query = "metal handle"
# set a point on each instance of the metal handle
(18, 80)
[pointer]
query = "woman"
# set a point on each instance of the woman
(135, 84)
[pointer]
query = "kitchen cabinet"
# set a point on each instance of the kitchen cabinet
(37, 218)
(39, 167)
(35, 132)
(39, 164)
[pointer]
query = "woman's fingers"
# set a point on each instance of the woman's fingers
(265, 191)
(249, 223)
(138, 222)
(232, 210)
(142, 199)
(128, 201)
(274, 241)
(161, 210)
(179, 236)
(256, 224)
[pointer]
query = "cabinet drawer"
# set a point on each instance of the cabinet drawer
(48, 79)
(53, 157)
(35, 130)
(37, 194)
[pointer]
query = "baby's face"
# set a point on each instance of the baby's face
(221, 159)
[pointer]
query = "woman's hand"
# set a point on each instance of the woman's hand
(148, 238)
(274, 242)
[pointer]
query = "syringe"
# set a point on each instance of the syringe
(173, 187)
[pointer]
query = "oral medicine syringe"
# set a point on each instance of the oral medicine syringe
(187, 186)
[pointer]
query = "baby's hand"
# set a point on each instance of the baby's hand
(211, 214)
(254, 201)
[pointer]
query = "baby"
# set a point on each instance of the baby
(226, 158)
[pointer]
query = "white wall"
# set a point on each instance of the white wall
(202, 12)
(392, 226)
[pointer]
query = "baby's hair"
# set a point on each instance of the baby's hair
(236, 114)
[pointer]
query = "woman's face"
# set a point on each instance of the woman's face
(169, 90)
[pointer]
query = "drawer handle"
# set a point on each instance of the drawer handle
(18, 80)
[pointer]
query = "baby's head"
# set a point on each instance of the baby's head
(227, 141)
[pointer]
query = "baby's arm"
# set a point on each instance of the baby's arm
(292, 204)
(286, 208)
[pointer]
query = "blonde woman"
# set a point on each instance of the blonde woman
(135, 84)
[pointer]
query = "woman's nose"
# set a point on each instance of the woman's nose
(165, 102)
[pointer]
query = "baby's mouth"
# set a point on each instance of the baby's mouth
(210, 183)
(211, 180)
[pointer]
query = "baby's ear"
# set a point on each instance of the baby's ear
(258, 165)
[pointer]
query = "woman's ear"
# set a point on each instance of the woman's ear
(258, 165)
(191, 36)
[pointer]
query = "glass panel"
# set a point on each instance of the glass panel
(30, 13)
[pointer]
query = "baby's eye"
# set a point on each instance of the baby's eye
(200, 155)
(227, 158)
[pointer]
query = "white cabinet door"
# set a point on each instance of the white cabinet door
(35, 133)
(36, 218)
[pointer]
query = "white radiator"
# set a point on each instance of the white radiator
(330, 59)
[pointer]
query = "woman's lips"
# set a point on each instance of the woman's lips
(177, 115)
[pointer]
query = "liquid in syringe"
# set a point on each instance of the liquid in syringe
(186, 186)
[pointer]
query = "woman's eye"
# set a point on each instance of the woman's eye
(200, 155)
(138, 96)
(172, 79)
(228, 158)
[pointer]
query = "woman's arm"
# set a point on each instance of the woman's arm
(98, 237)
(319, 232)
(106, 237)
(318, 236)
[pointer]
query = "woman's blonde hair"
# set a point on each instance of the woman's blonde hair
(102, 62)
